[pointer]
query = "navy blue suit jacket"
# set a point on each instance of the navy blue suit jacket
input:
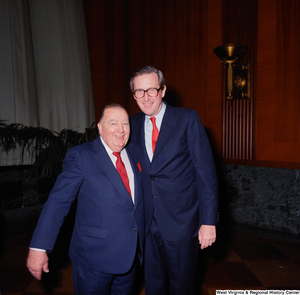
(107, 223)
(180, 183)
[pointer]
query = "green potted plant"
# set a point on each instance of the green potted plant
(48, 148)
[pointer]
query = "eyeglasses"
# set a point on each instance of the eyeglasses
(152, 92)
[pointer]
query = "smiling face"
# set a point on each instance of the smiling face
(149, 105)
(114, 128)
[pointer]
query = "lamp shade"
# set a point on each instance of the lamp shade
(230, 53)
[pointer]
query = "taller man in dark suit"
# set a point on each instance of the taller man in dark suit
(109, 224)
(180, 185)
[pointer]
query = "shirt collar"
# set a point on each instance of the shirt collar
(158, 117)
(107, 148)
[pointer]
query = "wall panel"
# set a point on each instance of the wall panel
(240, 26)
(178, 39)
(105, 26)
(278, 103)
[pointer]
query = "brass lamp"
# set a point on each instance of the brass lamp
(238, 76)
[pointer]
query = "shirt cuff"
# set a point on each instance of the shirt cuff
(37, 249)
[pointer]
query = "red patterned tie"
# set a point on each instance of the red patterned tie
(154, 133)
(122, 171)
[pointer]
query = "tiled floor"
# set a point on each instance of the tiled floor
(241, 259)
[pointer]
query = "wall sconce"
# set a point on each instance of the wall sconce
(238, 76)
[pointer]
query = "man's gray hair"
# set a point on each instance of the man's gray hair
(147, 70)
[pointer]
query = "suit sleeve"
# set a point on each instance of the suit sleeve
(59, 202)
(202, 158)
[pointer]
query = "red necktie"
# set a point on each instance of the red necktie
(154, 133)
(122, 171)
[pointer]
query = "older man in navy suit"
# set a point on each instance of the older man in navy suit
(180, 185)
(109, 224)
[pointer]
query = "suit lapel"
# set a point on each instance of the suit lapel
(140, 138)
(108, 167)
(136, 172)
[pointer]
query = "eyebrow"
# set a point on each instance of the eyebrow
(115, 120)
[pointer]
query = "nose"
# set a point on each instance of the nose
(121, 128)
(146, 96)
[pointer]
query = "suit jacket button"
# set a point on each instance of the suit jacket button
(153, 178)
(134, 229)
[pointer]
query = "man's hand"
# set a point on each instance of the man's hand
(37, 261)
(206, 235)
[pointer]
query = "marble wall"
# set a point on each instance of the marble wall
(22, 196)
(267, 198)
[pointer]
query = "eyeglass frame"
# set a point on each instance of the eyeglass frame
(157, 89)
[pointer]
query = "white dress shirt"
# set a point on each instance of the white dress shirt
(149, 127)
(126, 162)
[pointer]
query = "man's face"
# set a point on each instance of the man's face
(149, 105)
(114, 128)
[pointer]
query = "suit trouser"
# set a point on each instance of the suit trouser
(169, 266)
(89, 282)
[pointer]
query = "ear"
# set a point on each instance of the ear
(163, 91)
(99, 128)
